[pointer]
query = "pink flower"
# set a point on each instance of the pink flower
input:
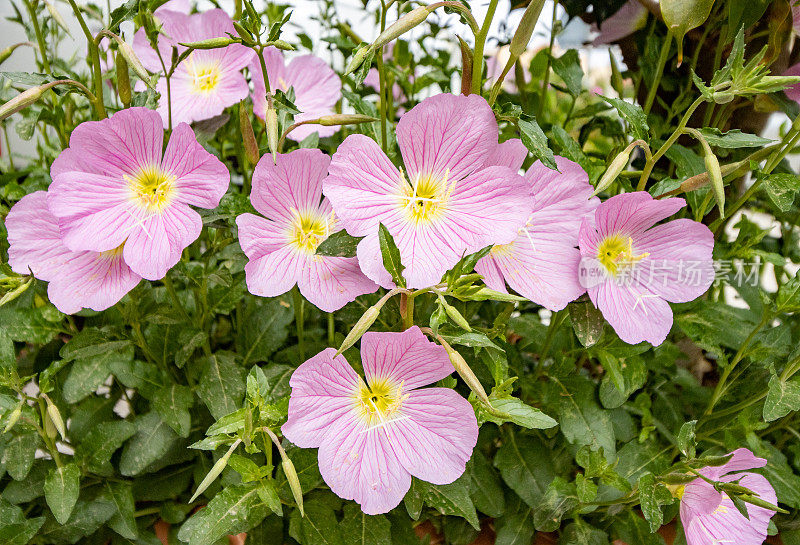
(542, 263)
(709, 517)
(632, 267)
(374, 436)
(793, 91)
(112, 186)
(95, 280)
(451, 199)
(207, 81)
(631, 17)
(316, 86)
(282, 248)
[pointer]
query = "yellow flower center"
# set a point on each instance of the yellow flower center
(111, 254)
(379, 402)
(205, 75)
(151, 188)
(425, 200)
(309, 230)
(615, 252)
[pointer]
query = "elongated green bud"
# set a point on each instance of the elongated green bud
(519, 43)
(16, 292)
(359, 57)
(281, 44)
(714, 172)
(55, 417)
(216, 469)
(678, 478)
(735, 489)
(362, 326)
(48, 425)
(715, 461)
(271, 118)
(23, 100)
(293, 480)
(617, 165)
(123, 80)
(13, 418)
(455, 315)
(212, 43)
(130, 57)
(755, 500)
(617, 83)
(465, 372)
(57, 17)
(248, 136)
(401, 26)
(244, 34)
(466, 66)
(6, 53)
(344, 119)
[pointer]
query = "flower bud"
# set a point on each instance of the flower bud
(466, 66)
(464, 371)
(248, 136)
(293, 480)
(216, 469)
(613, 170)
(211, 43)
(57, 17)
(519, 43)
(13, 418)
(123, 80)
(55, 416)
(696, 182)
(244, 34)
(714, 172)
(455, 315)
(617, 83)
(22, 100)
(344, 119)
(271, 118)
(283, 45)
(48, 425)
(401, 26)
(6, 53)
(361, 54)
(130, 57)
(758, 502)
(362, 326)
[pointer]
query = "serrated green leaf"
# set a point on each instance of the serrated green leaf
(535, 140)
(783, 397)
(61, 490)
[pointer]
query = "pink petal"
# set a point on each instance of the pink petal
(361, 465)
(511, 154)
(275, 273)
(631, 17)
(435, 434)
(679, 266)
(276, 70)
(408, 358)
(793, 92)
(322, 393)
(742, 459)
(91, 280)
(363, 185)
(560, 198)
(635, 313)
(190, 104)
(370, 261)
(630, 214)
(447, 135)
(541, 269)
(317, 89)
(492, 275)
(155, 245)
(329, 283)
(34, 238)
(259, 236)
(148, 55)
(201, 178)
(292, 185)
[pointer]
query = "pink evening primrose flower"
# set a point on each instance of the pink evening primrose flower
(710, 517)
(374, 435)
(632, 267)
(316, 86)
(541, 264)
(282, 249)
(452, 198)
(112, 186)
(95, 280)
(207, 81)
(631, 17)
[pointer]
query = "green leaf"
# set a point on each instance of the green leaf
(733, 139)
(61, 490)
(484, 486)
(88, 373)
(91, 342)
(222, 384)
(535, 140)
(523, 414)
(471, 339)
(783, 397)
(319, 526)
(652, 495)
(559, 499)
(152, 442)
(361, 529)
(580, 533)
(391, 256)
(526, 467)
(781, 476)
(633, 114)
(781, 188)
(587, 321)
(339, 244)
(172, 405)
(263, 328)
(686, 440)
(86, 518)
(97, 446)
(788, 297)
(19, 454)
(681, 16)
(27, 325)
(119, 495)
(236, 509)
(568, 68)
(451, 499)
(582, 421)
(631, 528)
(125, 12)
(515, 529)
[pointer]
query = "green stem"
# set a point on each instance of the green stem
(94, 56)
(480, 43)
(37, 29)
(546, 80)
(555, 322)
(662, 62)
(299, 320)
(331, 330)
(407, 309)
(382, 83)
